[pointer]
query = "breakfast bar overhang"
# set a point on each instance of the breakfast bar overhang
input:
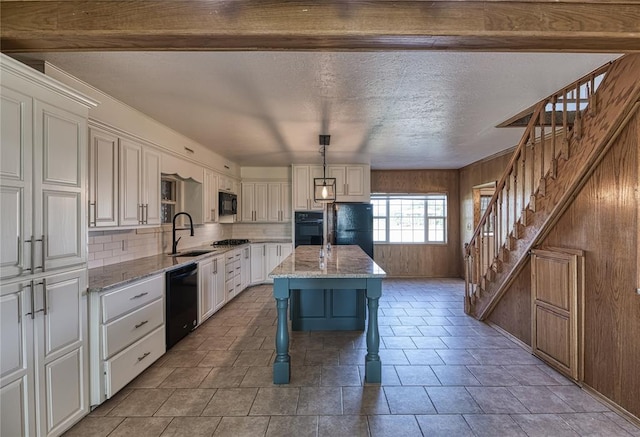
(341, 269)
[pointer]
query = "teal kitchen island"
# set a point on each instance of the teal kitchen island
(343, 269)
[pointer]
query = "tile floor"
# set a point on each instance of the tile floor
(444, 374)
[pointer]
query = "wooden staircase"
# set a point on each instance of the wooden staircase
(548, 168)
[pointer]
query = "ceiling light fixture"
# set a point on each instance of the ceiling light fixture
(324, 188)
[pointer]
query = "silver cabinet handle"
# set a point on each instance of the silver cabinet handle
(139, 295)
(92, 223)
(44, 251)
(141, 324)
(33, 300)
(44, 296)
(264, 250)
(139, 214)
(146, 214)
(32, 254)
(145, 355)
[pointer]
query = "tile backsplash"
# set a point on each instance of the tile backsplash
(111, 247)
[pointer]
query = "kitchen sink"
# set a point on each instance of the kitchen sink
(194, 252)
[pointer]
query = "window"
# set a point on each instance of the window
(409, 218)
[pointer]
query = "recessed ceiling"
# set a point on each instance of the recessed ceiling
(395, 110)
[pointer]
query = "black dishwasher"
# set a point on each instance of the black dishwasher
(182, 302)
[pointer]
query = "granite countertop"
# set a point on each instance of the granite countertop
(116, 275)
(339, 262)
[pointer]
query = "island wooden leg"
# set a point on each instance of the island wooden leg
(282, 363)
(373, 365)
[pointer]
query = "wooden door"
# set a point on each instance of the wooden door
(556, 291)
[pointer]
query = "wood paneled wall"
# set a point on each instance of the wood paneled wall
(603, 221)
(479, 173)
(421, 260)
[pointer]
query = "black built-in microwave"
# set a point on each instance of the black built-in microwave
(227, 203)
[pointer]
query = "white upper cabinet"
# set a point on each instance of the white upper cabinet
(353, 182)
(42, 174)
(279, 205)
(103, 178)
(266, 202)
(210, 196)
(139, 187)
(16, 137)
(253, 202)
(151, 186)
(302, 188)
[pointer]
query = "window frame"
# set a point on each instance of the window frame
(425, 197)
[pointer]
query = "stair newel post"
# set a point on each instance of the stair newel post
(467, 285)
(554, 161)
(542, 186)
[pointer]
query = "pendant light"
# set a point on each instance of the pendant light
(324, 188)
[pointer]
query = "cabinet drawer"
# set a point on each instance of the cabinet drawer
(123, 300)
(126, 330)
(129, 363)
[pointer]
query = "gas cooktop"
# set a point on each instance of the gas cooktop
(230, 242)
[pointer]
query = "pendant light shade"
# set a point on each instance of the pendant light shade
(324, 188)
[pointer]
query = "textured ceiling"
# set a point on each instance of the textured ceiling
(396, 110)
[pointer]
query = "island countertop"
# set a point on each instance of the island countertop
(339, 262)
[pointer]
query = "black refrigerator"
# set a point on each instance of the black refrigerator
(352, 223)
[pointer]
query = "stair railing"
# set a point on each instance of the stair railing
(553, 123)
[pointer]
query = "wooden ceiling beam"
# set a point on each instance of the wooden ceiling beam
(71, 25)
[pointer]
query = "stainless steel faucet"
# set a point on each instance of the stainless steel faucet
(174, 246)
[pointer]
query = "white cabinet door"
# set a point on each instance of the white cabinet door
(59, 186)
(16, 137)
(61, 350)
(150, 186)
(210, 196)
(275, 202)
(279, 206)
(285, 202)
(357, 183)
(273, 258)
(339, 173)
(300, 178)
(219, 292)
(17, 396)
(245, 269)
(258, 254)
(247, 202)
(103, 178)
(285, 251)
(254, 202)
(206, 284)
(303, 176)
(260, 202)
(130, 183)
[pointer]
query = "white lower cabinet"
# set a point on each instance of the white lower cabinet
(127, 334)
(211, 287)
(233, 273)
(245, 270)
(258, 256)
(44, 362)
(276, 253)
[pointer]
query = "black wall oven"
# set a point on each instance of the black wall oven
(308, 228)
